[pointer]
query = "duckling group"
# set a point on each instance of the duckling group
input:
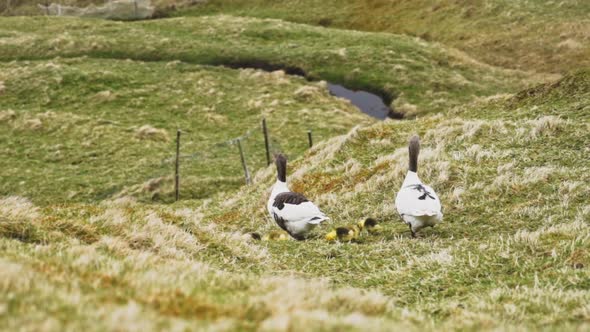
(352, 233)
(417, 204)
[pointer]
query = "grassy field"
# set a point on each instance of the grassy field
(424, 77)
(513, 250)
(83, 130)
(89, 238)
(511, 254)
(98, 133)
(543, 36)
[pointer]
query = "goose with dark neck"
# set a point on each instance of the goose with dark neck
(292, 211)
(417, 203)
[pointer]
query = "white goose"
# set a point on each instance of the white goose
(292, 211)
(417, 203)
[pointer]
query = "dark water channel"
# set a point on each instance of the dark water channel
(367, 102)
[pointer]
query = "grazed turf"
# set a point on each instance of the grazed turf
(514, 245)
(424, 77)
(512, 253)
(90, 110)
(84, 129)
(543, 36)
(511, 171)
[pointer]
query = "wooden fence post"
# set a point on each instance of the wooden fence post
(265, 132)
(310, 139)
(176, 174)
(246, 173)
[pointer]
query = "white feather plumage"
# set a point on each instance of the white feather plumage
(417, 203)
(298, 219)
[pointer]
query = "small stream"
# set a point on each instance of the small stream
(367, 102)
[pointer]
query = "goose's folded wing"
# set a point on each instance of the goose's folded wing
(288, 198)
(295, 207)
(417, 200)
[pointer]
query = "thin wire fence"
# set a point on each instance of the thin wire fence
(204, 169)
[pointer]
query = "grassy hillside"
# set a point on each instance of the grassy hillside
(90, 109)
(88, 115)
(82, 129)
(542, 36)
(545, 36)
(513, 252)
(510, 172)
(426, 77)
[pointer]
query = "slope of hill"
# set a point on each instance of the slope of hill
(425, 77)
(514, 247)
(90, 108)
(511, 254)
(543, 36)
(88, 113)
(83, 130)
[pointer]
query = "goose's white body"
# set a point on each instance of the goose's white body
(277, 188)
(297, 219)
(418, 204)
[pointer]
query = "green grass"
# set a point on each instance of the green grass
(81, 249)
(512, 253)
(511, 175)
(73, 129)
(425, 77)
(542, 36)
(77, 94)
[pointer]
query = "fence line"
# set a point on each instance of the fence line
(177, 175)
(244, 165)
(266, 145)
(209, 151)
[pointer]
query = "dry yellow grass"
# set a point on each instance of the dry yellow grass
(511, 170)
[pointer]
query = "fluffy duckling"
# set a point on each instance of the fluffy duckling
(344, 234)
(370, 224)
(417, 203)
(275, 236)
(292, 211)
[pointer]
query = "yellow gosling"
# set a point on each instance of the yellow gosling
(370, 224)
(275, 236)
(344, 234)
